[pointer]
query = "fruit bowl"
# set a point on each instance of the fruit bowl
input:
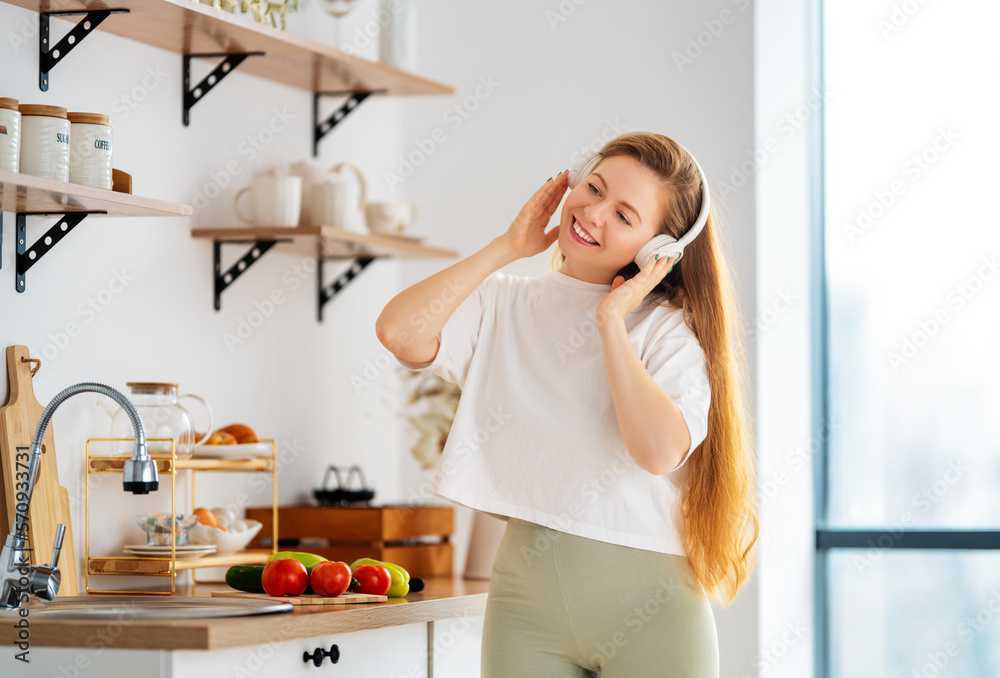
(225, 542)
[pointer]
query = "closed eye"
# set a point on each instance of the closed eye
(621, 215)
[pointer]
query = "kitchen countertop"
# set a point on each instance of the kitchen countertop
(442, 598)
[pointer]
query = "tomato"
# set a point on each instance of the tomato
(374, 579)
(330, 578)
(284, 577)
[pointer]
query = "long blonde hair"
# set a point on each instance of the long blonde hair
(718, 499)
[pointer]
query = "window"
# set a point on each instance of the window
(908, 569)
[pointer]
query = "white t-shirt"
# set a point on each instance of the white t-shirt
(535, 435)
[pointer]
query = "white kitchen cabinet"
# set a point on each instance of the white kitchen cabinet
(380, 653)
(391, 652)
(456, 647)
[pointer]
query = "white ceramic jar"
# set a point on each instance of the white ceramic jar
(90, 150)
(398, 38)
(10, 135)
(44, 141)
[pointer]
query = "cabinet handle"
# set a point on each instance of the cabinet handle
(317, 656)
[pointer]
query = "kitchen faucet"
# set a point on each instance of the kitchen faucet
(139, 477)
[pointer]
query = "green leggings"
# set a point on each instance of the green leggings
(562, 606)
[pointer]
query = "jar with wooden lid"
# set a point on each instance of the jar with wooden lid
(90, 150)
(10, 135)
(44, 141)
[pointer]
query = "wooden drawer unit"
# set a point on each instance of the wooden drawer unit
(417, 538)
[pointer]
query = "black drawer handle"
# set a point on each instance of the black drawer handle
(317, 656)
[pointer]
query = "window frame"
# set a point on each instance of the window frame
(827, 537)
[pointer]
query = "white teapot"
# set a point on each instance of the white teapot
(311, 175)
(338, 200)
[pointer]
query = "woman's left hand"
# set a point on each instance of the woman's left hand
(626, 296)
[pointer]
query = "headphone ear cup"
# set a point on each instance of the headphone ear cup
(664, 245)
(582, 168)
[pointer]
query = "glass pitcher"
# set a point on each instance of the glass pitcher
(163, 417)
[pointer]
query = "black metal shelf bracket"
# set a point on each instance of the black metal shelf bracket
(227, 278)
(321, 129)
(327, 292)
(191, 96)
(48, 56)
(29, 256)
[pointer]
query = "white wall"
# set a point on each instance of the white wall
(570, 73)
(564, 76)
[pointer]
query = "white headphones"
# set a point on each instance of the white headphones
(664, 245)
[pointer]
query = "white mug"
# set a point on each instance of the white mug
(390, 218)
(276, 199)
(337, 200)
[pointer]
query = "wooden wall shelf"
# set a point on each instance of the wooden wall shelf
(321, 242)
(327, 241)
(188, 28)
(25, 193)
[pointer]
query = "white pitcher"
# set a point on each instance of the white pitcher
(311, 175)
(338, 200)
(162, 415)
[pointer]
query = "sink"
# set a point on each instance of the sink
(150, 607)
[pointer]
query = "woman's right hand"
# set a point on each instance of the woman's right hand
(526, 236)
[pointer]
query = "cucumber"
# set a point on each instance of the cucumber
(248, 578)
(245, 578)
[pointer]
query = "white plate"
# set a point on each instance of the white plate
(162, 549)
(190, 551)
(244, 451)
(179, 555)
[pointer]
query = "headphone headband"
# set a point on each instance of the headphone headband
(706, 203)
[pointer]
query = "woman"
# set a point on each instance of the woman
(602, 416)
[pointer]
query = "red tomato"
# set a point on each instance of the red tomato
(285, 577)
(330, 578)
(374, 579)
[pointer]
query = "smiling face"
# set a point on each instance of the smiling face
(618, 209)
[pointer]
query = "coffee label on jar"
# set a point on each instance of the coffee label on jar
(102, 144)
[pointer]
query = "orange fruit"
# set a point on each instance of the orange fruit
(205, 517)
(221, 438)
(242, 433)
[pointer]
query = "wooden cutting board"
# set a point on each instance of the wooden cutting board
(310, 599)
(49, 501)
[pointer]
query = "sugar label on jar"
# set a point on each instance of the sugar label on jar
(62, 138)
